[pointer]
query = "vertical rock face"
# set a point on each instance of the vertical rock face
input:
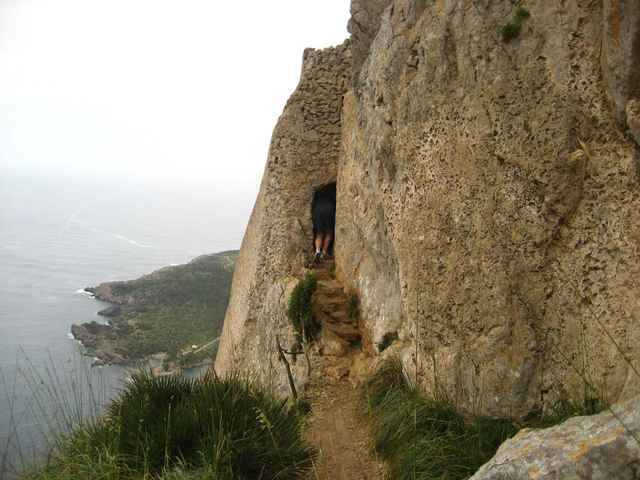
(488, 204)
(303, 156)
(363, 26)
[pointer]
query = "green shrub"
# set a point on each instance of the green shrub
(171, 427)
(511, 30)
(300, 309)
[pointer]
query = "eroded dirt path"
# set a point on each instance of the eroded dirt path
(338, 426)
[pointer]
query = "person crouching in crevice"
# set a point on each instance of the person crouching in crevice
(323, 213)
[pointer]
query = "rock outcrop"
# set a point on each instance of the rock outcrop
(488, 199)
(597, 447)
(303, 156)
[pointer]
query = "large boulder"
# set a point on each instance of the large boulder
(597, 447)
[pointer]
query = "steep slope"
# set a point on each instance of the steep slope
(487, 199)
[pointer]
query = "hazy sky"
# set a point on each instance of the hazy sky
(178, 91)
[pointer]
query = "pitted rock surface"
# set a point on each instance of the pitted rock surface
(488, 199)
(303, 157)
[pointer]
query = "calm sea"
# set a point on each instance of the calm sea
(60, 233)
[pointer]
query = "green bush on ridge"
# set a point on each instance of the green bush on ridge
(178, 428)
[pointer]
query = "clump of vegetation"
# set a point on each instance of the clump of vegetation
(423, 438)
(177, 428)
(300, 309)
(565, 408)
(439, 441)
(387, 340)
(521, 14)
(354, 307)
(511, 30)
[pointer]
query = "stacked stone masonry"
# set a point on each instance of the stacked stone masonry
(303, 156)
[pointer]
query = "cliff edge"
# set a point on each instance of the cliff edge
(487, 199)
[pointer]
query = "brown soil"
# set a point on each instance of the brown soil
(338, 425)
(339, 428)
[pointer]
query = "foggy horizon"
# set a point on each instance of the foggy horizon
(151, 92)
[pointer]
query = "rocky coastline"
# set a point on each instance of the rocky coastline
(167, 320)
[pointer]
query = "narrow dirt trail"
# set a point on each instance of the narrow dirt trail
(340, 431)
(338, 426)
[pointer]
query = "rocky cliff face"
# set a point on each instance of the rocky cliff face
(488, 198)
(303, 156)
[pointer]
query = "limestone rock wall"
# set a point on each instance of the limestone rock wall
(488, 201)
(363, 26)
(303, 156)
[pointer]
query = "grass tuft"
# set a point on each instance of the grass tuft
(423, 438)
(178, 428)
(510, 31)
(430, 439)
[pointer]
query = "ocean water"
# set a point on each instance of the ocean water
(60, 233)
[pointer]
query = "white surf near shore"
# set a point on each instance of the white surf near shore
(129, 240)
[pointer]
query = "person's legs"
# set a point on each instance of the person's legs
(317, 242)
(326, 242)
